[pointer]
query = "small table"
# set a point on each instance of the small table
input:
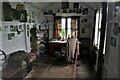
(52, 44)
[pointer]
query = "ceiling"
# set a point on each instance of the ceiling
(46, 5)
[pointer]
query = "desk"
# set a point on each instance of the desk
(55, 44)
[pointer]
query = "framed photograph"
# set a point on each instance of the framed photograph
(7, 11)
(65, 5)
(115, 29)
(20, 26)
(28, 33)
(28, 27)
(18, 32)
(83, 30)
(16, 27)
(23, 16)
(12, 35)
(113, 41)
(9, 36)
(85, 20)
(12, 28)
(85, 11)
(76, 5)
(15, 14)
(6, 28)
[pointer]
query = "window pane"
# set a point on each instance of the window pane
(63, 28)
(69, 27)
(96, 28)
(99, 30)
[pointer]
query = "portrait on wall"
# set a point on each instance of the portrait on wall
(115, 29)
(12, 35)
(18, 32)
(113, 41)
(12, 28)
(16, 27)
(28, 33)
(23, 16)
(28, 27)
(20, 26)
(83, 30)
(6, 28)
(9, 36)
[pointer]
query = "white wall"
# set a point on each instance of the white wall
(0, 39)
(17, 43)
(0, 25)
(22, 41)
(110, 69)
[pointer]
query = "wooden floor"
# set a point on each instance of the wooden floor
(58, 68)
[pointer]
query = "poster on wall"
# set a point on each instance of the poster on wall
(6, 28)
(115, 29)
(23, 16)
(113, 41)
(9, 37)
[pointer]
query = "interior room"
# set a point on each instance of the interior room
(62, 39)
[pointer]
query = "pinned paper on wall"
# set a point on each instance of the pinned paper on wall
(83, 30)
(113, 41)
(115, 29)
(6, 28)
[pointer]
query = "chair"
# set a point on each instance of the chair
(72, 49)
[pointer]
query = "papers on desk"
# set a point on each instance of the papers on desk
(57, 41)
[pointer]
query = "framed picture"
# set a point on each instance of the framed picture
(76, 5)
(7, 11)
(20, 26)
(15, 14)
(6, 28)
(12, 28)
(85, 20)
(113, 41)
(85, 11)
(115, 29)
(18, 32)
(28, 33)
(65, 5)
(83, 30)
(23, 16)
(28, 27)
(9, 36)
(12, 35)
(16, 27)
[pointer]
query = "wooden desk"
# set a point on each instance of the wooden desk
(55, 44)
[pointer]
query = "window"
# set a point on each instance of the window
(66, 27)
(98, 28)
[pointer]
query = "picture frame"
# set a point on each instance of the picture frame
(65, 5)
(7, 11)
(85, 11)
(18, 32)
(6, 28)
(9, 36)
(15, 14)
(115, 29)
(20, 26)
(76, 5)
(113, 41)
(23, 16)
(83, 30)
(12, 28)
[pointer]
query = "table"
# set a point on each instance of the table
(55, 44)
